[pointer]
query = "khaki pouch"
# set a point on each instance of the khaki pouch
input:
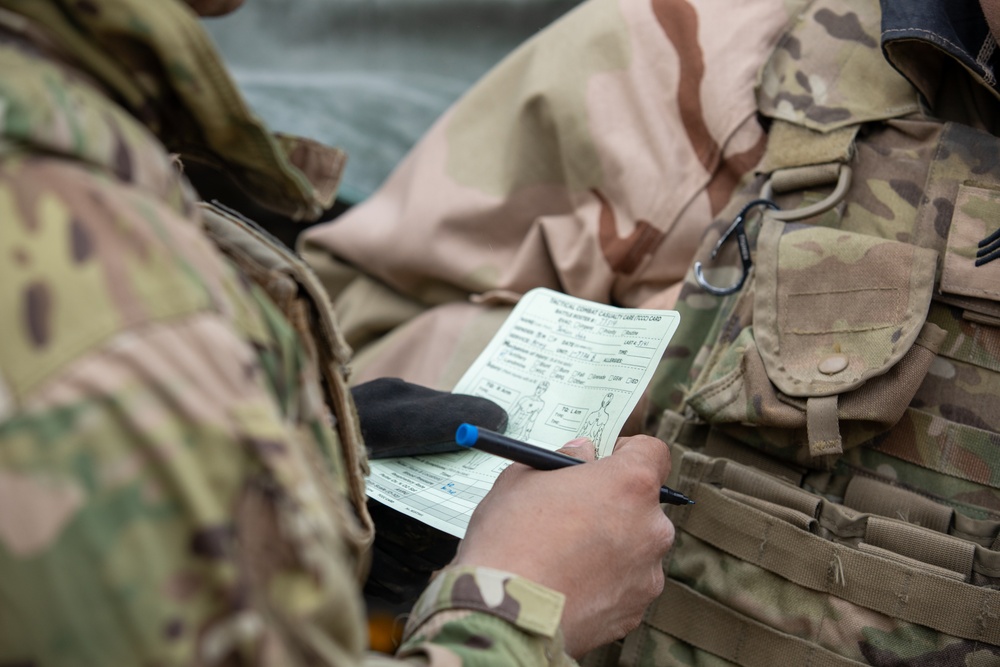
(838, 344)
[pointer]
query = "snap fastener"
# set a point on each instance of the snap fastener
(833, 364)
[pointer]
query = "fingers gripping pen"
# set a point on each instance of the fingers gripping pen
(538, 458)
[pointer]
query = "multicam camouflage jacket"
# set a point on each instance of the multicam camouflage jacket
(833, 411)
(181, 471)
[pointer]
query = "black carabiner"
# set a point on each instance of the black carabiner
(744, 246)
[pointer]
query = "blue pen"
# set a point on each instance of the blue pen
(538, 458)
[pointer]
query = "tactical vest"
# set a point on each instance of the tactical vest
(836, 414)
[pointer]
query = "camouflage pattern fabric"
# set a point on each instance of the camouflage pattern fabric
(173, 486)
(590, 161)
(835, 418)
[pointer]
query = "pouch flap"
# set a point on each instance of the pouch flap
(833, 308)
(803, 84)
(975, 218)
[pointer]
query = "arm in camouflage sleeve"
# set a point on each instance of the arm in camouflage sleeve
(481, 614)
(593, 535)
(170, 488)
(179, 490)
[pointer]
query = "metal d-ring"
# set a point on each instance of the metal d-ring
(741, 239)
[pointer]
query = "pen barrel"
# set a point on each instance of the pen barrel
(515, 450)
(536, 457)
(671, 497)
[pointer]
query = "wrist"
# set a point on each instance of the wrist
(525, 604)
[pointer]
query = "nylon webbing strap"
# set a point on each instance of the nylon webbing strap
(911, 562)
(942, 551)
(674, 427)
(802, 178)
(794, 517)
(791, 145)
(924, 444)
(892, 588)
(686, 614)
(874, 497)
(721, 446)
(983, 350)
(764, 487)
(822, 426)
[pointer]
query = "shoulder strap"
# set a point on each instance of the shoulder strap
(298, 293)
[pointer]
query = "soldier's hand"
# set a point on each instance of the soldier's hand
(595, 532)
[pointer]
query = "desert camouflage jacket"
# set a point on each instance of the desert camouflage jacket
(173, 490)
(590, 161)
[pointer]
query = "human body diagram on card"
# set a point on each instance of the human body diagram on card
(562, 368)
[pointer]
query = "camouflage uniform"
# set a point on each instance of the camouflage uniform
(591, 161)
(835, 416)
(173, 489)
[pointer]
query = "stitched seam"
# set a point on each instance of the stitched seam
(985, 53)
(938, 39)
(928, 32)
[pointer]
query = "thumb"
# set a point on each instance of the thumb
(579, 448)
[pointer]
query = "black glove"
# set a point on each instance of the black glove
(403, 419)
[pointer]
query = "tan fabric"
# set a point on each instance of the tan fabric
(744, 642)
(590, 161)
(991, 8)
(946, 605)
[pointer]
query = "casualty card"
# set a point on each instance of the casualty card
(562, 368)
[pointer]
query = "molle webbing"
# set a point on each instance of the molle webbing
(874, 497)
(943, 447)
(947, 556)
(747, 481)
(980, 349)
(744, 641)
(921, 439)
(905, 572)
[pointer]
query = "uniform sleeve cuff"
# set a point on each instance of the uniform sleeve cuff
(519, 601)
